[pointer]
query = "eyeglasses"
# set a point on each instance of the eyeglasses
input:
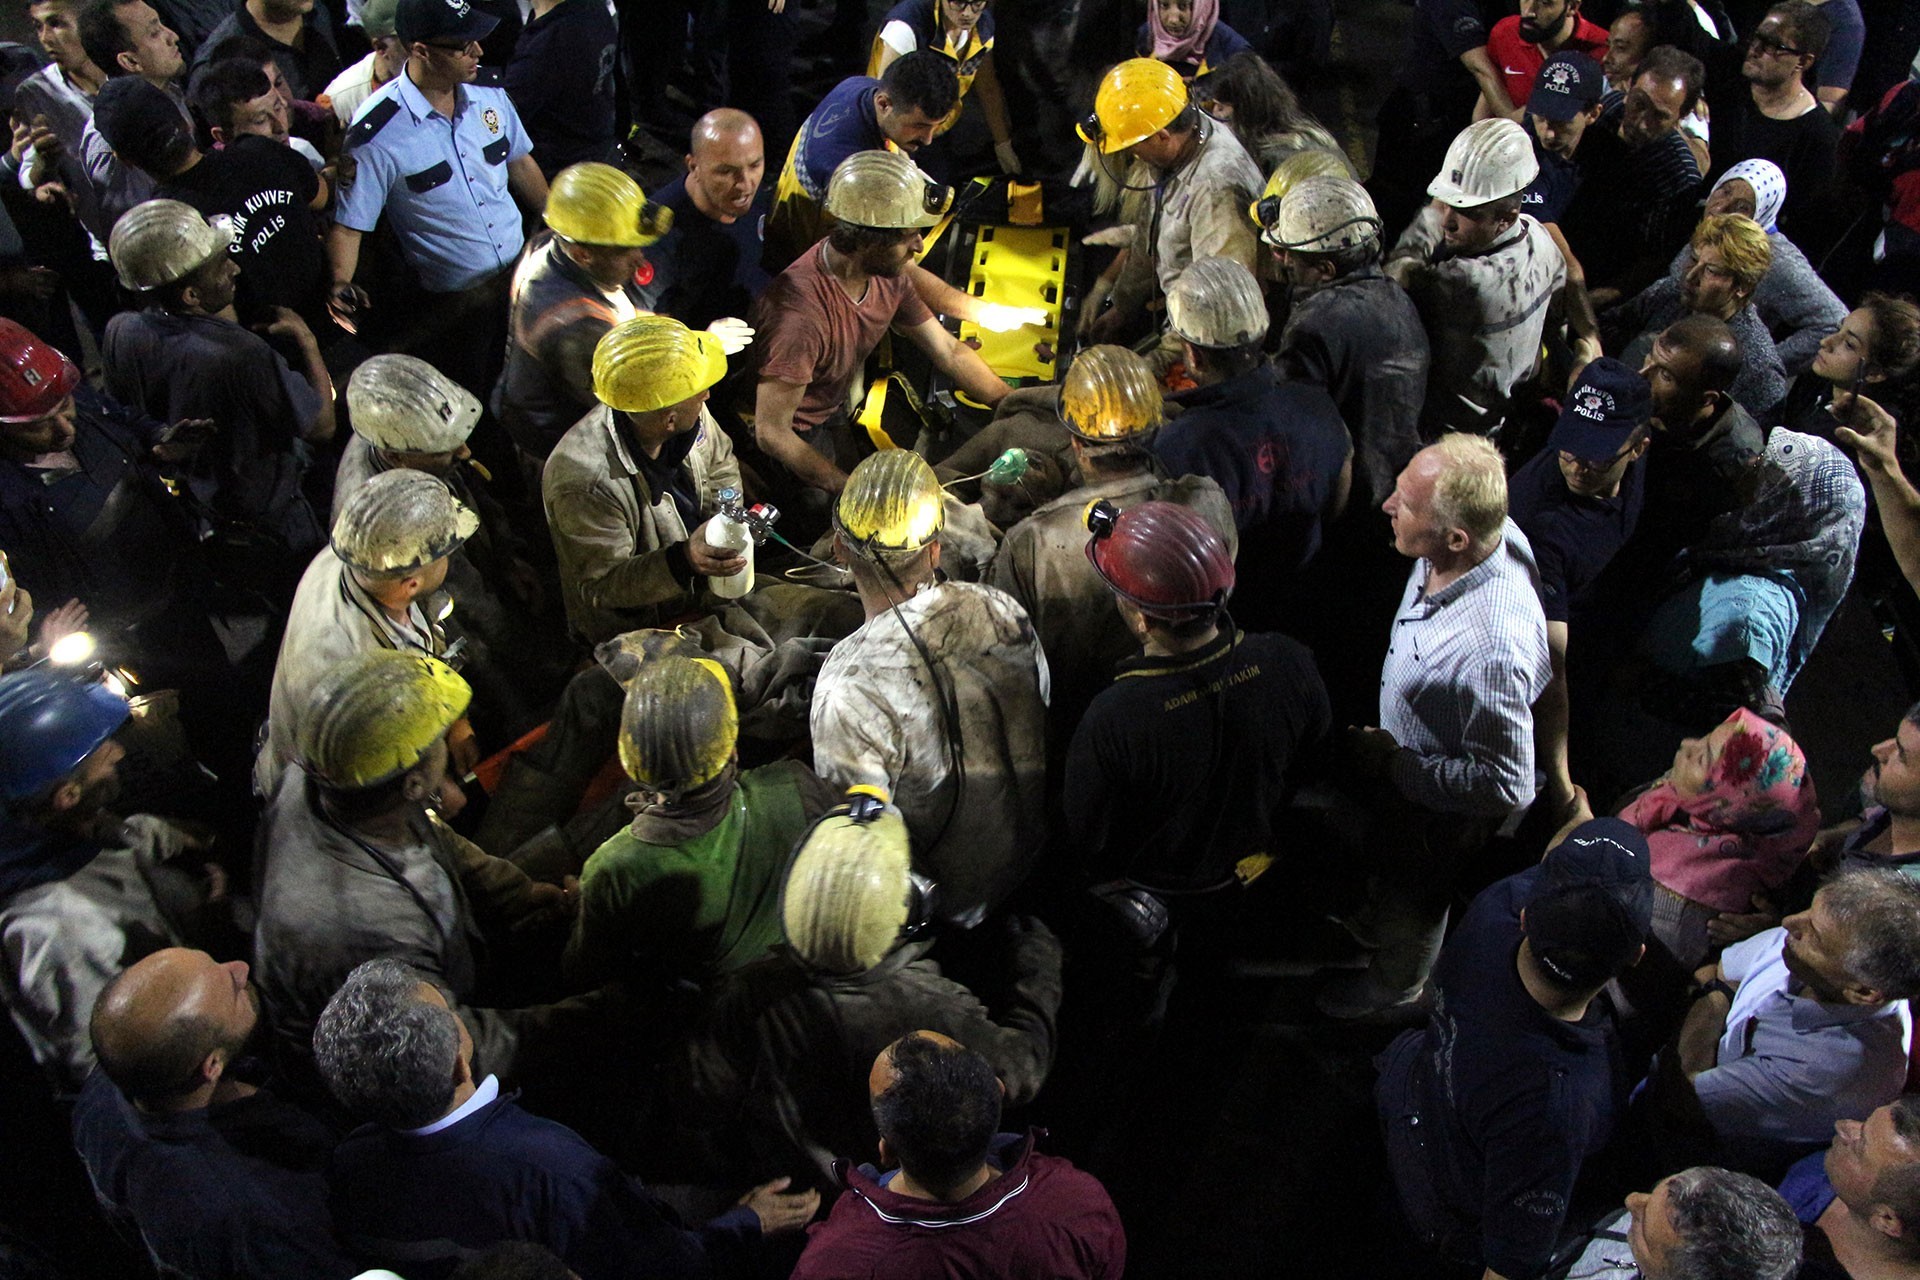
(469, 47)
(1772, 44)
(966, 4)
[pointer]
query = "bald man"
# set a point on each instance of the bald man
(708, 266)
(221, 1178)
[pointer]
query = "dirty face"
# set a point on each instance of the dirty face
(1473, 230)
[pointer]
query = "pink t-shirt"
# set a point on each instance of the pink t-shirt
(811, 333)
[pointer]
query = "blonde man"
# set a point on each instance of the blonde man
(1726, 261)
(1453, 755)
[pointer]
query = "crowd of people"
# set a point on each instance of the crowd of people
(556, 730)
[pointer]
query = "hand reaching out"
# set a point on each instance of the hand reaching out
(63, 622)
(998, 317)
(779, 1209)
(735, 335)
(179, 442)
(286, 323)
(16, 616)
(1869, 430)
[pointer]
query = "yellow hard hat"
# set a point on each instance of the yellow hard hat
(892, 502)
(593, 203)
(1135, 100)
(650, 362)
(1291, 172)
(376, 715)
(849, 888)
(678, 725)
(1110, 395)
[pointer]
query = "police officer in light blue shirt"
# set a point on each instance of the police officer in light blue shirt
(443, 158)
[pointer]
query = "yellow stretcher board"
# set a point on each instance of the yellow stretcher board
(1020, 267)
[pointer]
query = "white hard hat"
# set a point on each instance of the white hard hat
(1324, 215)
(405, 404)
(1489, 160)
(885, 189)
(1216, 302)
(158, 242)
(400, 520)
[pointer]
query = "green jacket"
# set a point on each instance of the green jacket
(666, 898)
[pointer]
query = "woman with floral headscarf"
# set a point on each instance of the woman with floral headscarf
(1732, 818)
(1188, 36)
(1793, 301)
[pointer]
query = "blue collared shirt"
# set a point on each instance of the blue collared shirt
(442, 182)
(1789, 1065)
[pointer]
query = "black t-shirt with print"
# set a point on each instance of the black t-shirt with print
(266, 188)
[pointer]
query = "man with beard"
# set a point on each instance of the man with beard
(817, 323)
(1520, 43)
(1887, 834)
(899, 112)
(82, 889)
(220, 1178)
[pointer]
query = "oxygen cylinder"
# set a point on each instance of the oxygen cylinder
(728, 531)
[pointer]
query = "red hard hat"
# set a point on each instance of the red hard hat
(1161, 557)
(34, 376)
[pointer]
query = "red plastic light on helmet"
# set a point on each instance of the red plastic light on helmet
(35, 378)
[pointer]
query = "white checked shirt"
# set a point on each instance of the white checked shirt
(1464, 668)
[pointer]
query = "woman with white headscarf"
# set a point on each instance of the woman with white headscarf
(1792, 300)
